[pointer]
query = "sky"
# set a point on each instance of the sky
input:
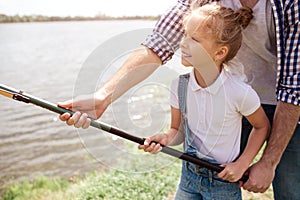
(84, 7)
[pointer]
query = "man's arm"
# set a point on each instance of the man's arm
(136, 68)
(288, 107)
(284, 123)
(157, 49)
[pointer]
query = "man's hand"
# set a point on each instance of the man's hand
(261, 176)
(84, 106)
(262, 173)
(77, 119)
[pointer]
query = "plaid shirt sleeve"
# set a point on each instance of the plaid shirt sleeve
(288, 43)
(168, 31)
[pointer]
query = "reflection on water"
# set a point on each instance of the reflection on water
(44, 59)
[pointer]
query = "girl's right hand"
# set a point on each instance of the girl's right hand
(153, 144)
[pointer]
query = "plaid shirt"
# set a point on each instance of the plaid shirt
(168, 32)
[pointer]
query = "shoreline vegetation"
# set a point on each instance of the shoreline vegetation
(43, 18)
(109, 184)
(104, 184)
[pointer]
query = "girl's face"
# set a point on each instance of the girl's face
(198, 47)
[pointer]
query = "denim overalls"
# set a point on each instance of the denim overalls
(198, 182)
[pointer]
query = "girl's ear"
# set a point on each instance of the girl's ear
(221, 53)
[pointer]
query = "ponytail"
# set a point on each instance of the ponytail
(244, 15)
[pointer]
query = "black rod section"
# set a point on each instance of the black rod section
(27, 98)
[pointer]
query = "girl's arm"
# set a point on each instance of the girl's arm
(261, 127)
(173, 137)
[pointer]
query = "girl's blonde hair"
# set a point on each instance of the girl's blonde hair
(224, 24)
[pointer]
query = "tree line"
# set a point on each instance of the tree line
(42, 18)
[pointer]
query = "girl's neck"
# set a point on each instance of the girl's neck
(207, 76)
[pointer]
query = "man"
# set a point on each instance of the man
(270, 54)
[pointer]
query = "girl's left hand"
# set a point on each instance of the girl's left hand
(232, 172)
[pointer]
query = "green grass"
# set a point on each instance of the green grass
(35, 189)
(120, 185)
(113, 185)
(110, 185)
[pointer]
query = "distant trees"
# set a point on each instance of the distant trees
(42, 18)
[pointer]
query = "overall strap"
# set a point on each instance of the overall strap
(182, 91)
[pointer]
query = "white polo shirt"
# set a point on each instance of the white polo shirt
(214, 114)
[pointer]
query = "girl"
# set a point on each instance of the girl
(208, 103)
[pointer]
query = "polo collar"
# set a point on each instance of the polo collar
(213, 88)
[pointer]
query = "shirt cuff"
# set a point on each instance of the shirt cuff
(291, 96)
(160, 46)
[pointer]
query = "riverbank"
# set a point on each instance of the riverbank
(112, 184)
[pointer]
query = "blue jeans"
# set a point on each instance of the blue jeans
(200, 183)
(286, 182)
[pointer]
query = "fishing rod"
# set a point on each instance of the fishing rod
(27, 98)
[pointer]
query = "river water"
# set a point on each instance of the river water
(54, 61)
